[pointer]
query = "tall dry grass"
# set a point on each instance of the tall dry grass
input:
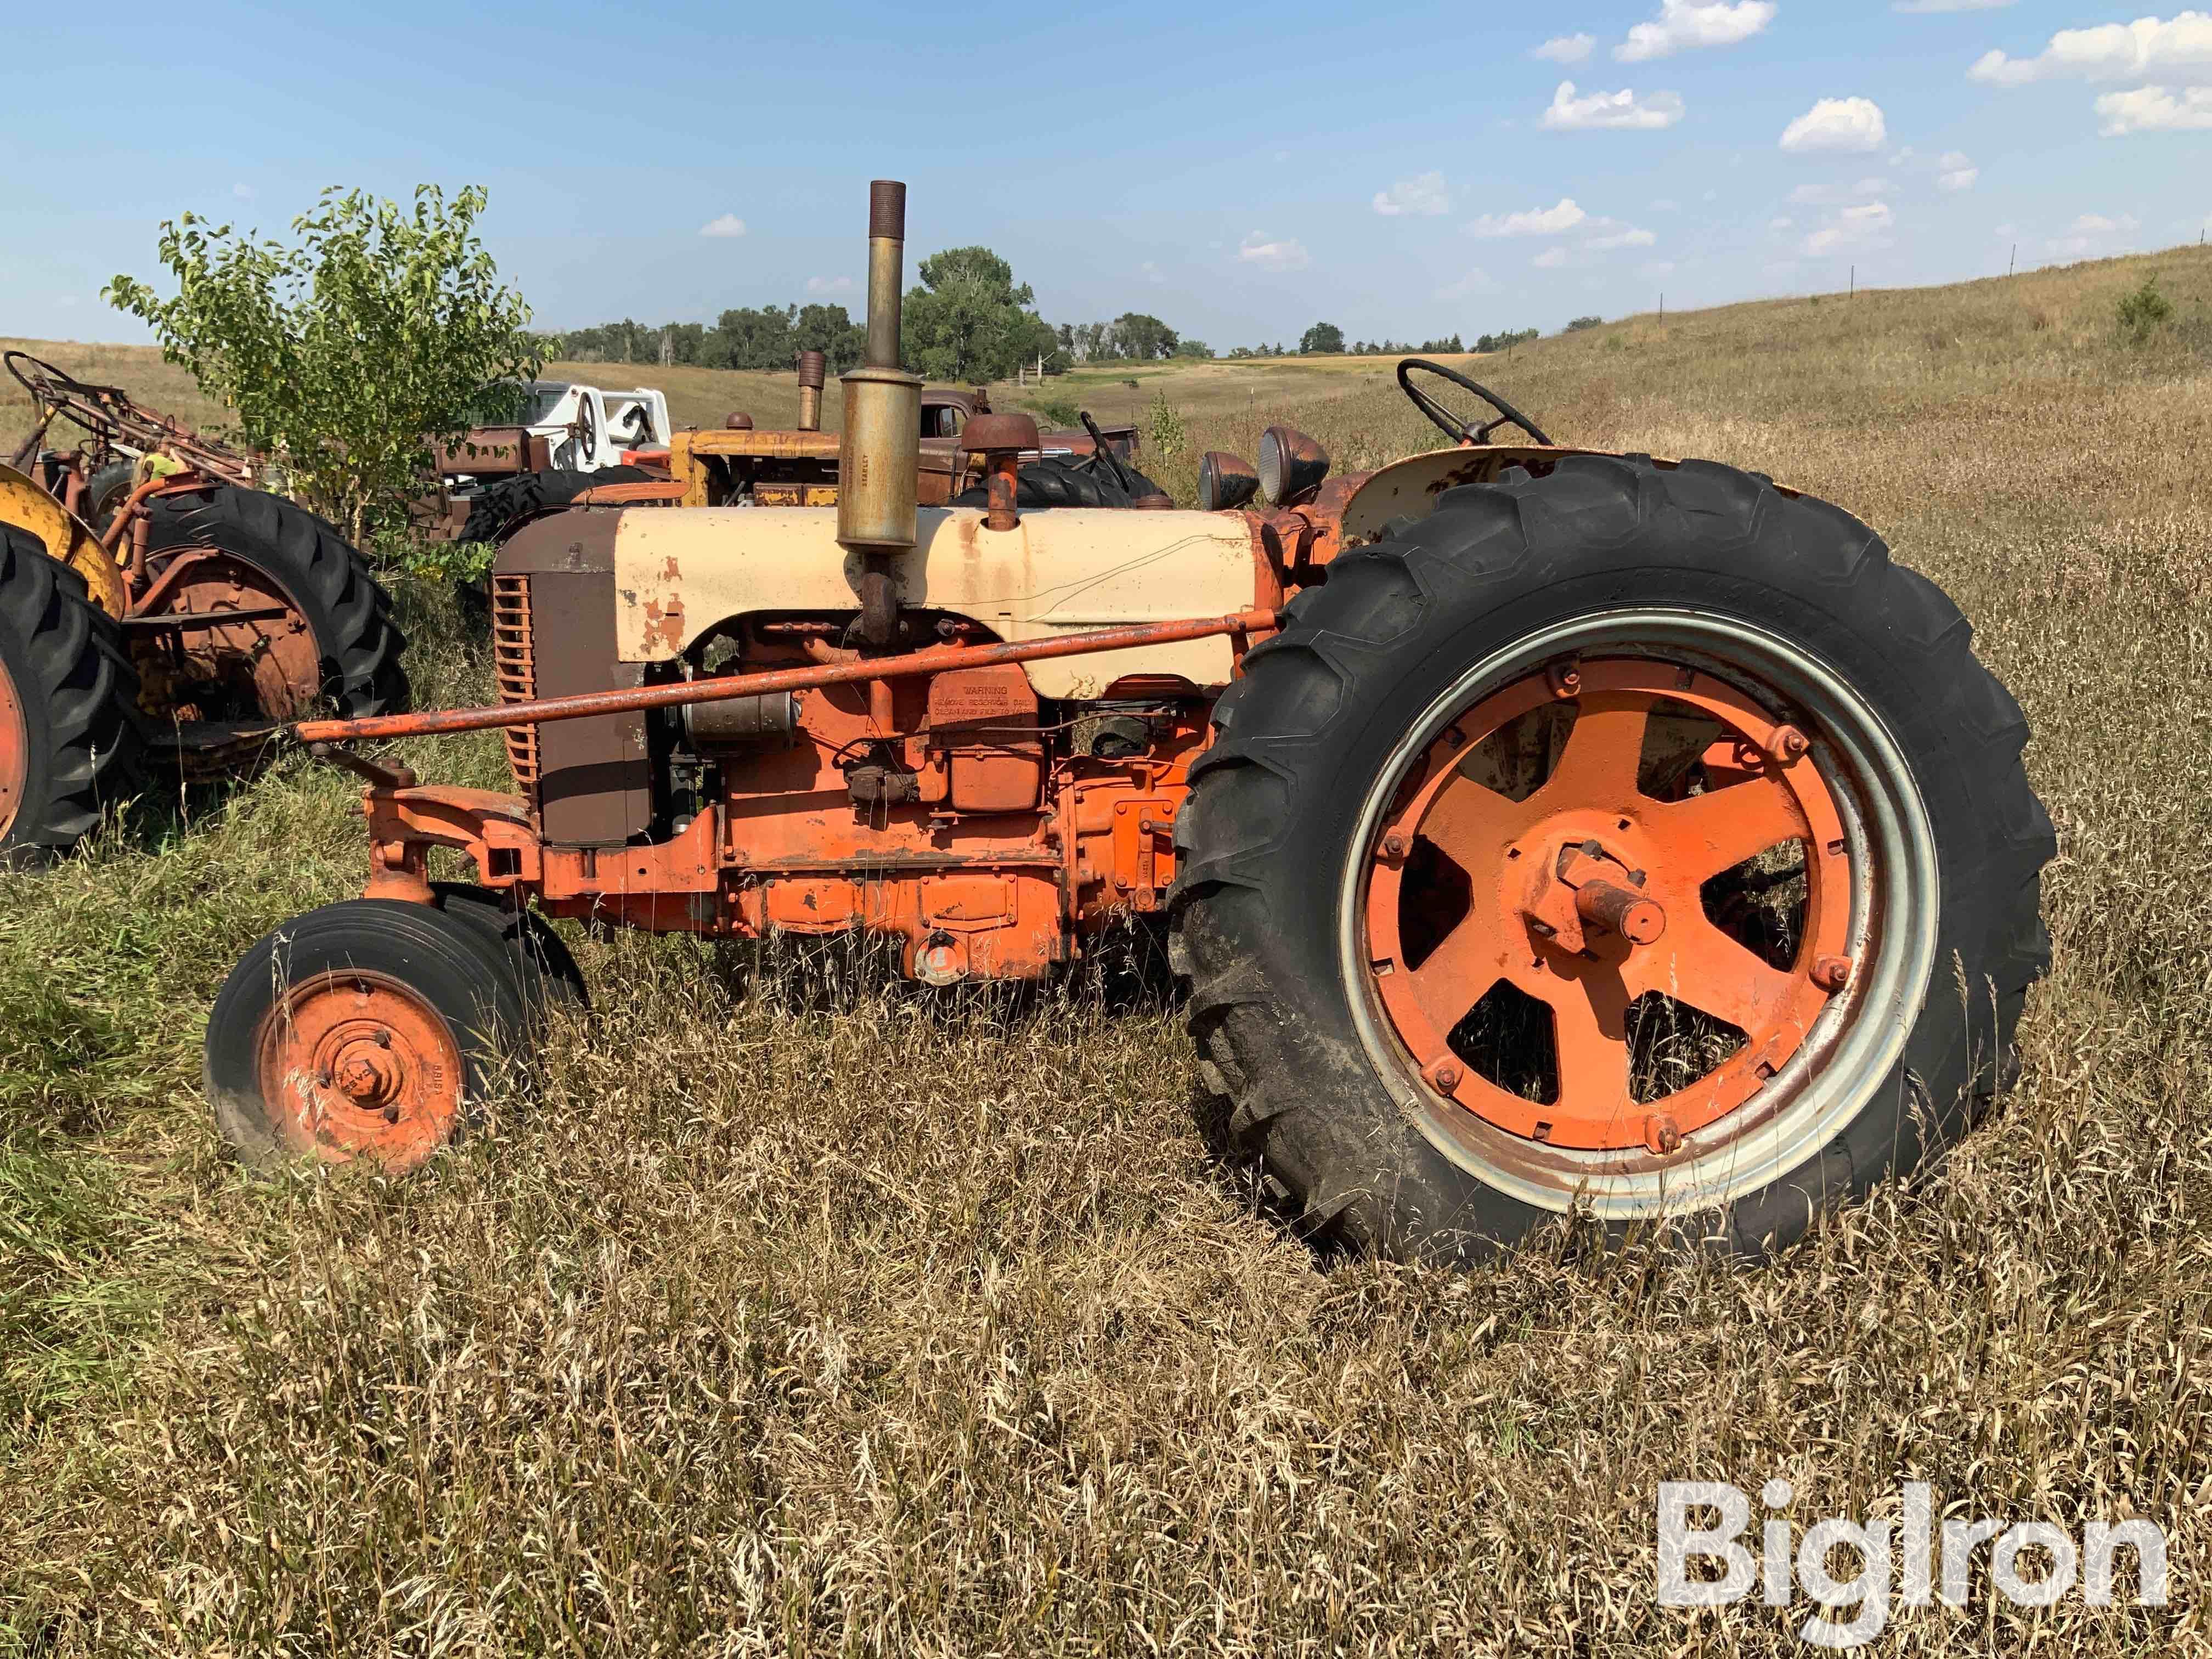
(859, 1321)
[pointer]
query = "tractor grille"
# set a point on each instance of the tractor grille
(514, 659)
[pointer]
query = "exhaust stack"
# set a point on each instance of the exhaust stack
(813, 366)
(880, 462)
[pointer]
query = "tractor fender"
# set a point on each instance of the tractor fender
(66, 538)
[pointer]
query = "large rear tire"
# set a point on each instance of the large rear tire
(357, 646)
(1056, 482)
(70, 748)
(1633, 840)
(501, 507)
(366, 1031)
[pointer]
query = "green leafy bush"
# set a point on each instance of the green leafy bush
(2144, 311)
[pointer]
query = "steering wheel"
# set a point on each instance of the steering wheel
(587, 432)
(1452, 426)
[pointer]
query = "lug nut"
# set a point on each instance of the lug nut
(1662, 1134)
(1567, 680)
(1832, 973)
(1394, 847)
(1787, 744)
(1446, 1076)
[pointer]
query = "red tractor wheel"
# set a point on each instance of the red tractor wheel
(1609, 842)
(368, 1030)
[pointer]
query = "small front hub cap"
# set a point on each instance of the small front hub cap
(358, 1066)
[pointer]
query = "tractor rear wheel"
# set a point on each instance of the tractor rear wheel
(69, 746)
(502, 505)
(1055, 482)
(1633, 841)
(263, 552)
(368, 1030)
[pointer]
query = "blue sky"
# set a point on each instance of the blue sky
(1240, 170)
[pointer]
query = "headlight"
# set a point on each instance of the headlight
(1290, 463)
(1224, 481)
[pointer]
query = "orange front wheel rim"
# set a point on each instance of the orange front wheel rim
(356, 1065)
(14, 753)
(1552, 916)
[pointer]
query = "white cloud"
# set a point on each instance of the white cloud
(1666, 205)
(2111, 51)
(1830, 195)
(244, 192)
(1624, 109)
(1474, 281)
(1550, 260)
(728, 225)
(1782, 224)
(1536, 222)
(1865, 226)
(2096, 224)
(830, 284)
(1424, 195)
(2154, 109)
(1684, 25)
(1924, 7)
(1628, 236)
(1274, 253)
(1956, 172)
(1846, 124)
(1150, 272)
(1566, 48)
(1657, 268)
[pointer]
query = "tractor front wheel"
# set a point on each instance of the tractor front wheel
(1632, 840)
(369, 1030)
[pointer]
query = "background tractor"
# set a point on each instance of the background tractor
(151, 601)
(1539, 830)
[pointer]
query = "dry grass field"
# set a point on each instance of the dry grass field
(799, 1314)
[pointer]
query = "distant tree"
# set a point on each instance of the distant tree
(1450, 345)
(1505, 342)
(1321, 338)
(382, 331)
(1186, 347)
(1582, 322)
(969, 320)
(1143, 338)
(828, 330)
(751, 337)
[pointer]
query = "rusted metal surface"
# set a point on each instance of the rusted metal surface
(118, 421)
(515, 666)
(813, 368)
(356, 1065)
(26, 505)
(911, 664)
(1000, 440)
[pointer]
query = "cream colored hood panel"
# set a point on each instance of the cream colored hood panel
(678, 572)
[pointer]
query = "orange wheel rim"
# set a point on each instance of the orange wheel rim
(1586, 903)
(14, 753)
(355, 1065)
(268, 666)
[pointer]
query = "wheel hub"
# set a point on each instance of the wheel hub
(1583, 905)
(359, 1066)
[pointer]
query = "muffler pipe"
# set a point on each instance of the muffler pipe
(812, 367)
(879, 462)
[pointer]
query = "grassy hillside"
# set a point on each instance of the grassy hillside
(798, 1316)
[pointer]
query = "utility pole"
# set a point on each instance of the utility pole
(1854, 294)
(2012, 265)
(1663, 306)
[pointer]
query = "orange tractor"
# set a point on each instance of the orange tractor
(1538, 829)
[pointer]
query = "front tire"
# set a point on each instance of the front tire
(1688, 692)
(366, 1031)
